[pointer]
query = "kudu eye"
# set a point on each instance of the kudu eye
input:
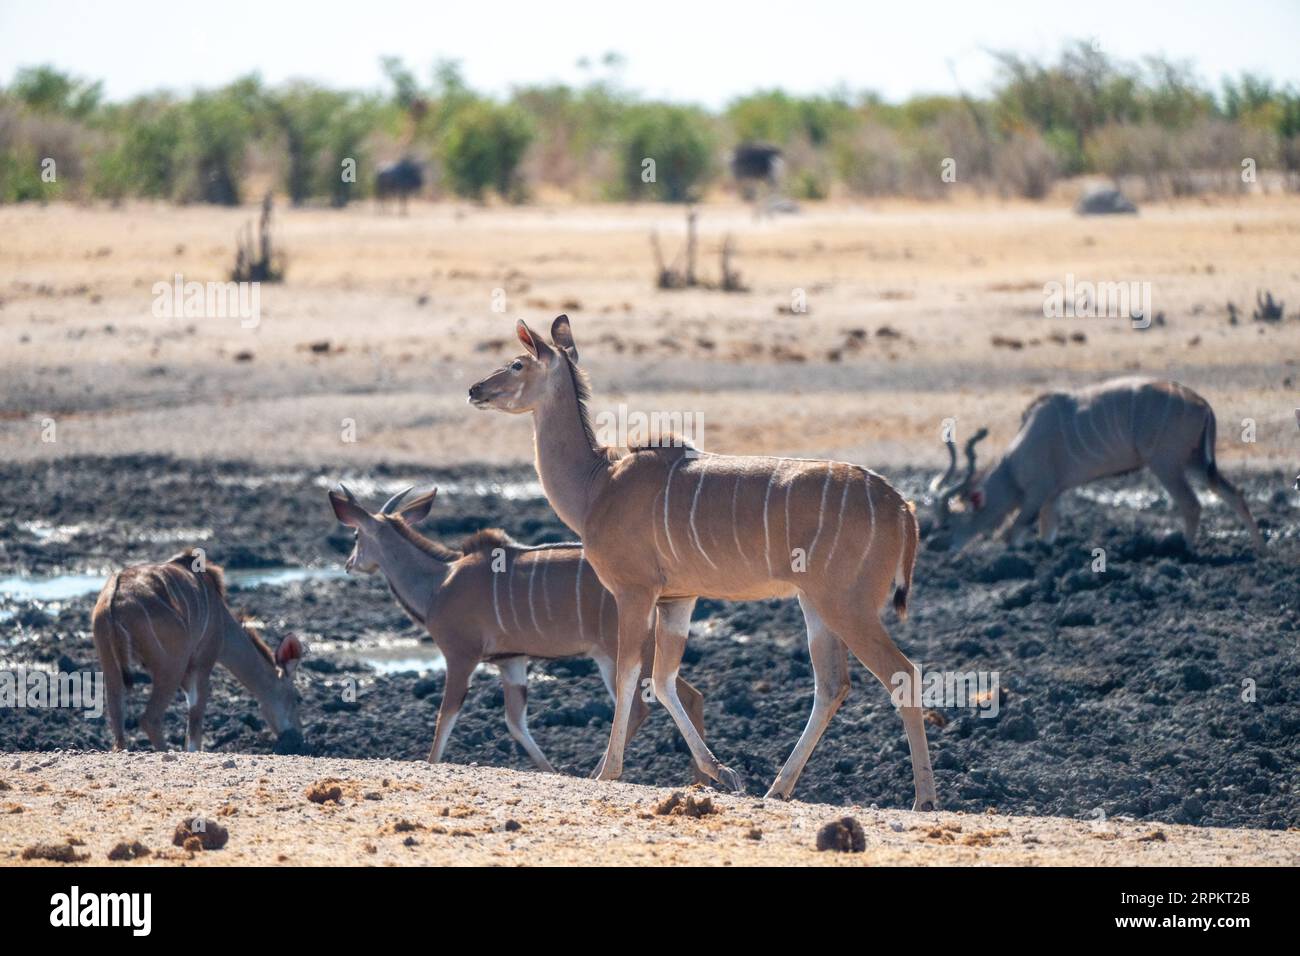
(516, 366)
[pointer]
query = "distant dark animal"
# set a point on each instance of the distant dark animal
(1104, 201)
(756, 161)
(401, 179)
(1068, 439)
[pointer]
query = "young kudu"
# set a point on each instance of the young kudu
(174, 619)
(1067, 439)
(663, 526)
(493, 601)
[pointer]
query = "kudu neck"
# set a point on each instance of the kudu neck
(246, 661)
(567, 463)
(414, 575)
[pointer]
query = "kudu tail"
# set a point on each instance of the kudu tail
(112, 640)
(1207, 448)
(906, 563)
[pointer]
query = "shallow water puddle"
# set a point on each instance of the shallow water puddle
(397, 658)
(44, 589)
(367, 488)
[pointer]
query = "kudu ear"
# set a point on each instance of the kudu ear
(562, 337)
(346, 508)
(535, 346)
(289, 653)
(416, 510)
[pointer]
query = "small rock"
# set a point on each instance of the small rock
(843, 836)
(207, 835)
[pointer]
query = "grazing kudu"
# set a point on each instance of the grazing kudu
(175, 621)
(1067, 439)
(494, 601)
(664, 526)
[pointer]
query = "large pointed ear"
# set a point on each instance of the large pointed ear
(289, 653)
(536, 347)
(562, 336)
(417, 509)
(346, 508)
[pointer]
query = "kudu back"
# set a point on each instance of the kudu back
(173, 618)
(1067, 439)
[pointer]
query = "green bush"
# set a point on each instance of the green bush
(679, 139)
(484, 145)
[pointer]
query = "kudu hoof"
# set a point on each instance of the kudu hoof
(730, 780)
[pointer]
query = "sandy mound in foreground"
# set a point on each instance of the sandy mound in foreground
(313, 811)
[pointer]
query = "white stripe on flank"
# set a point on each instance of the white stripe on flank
(578, 594)
(603, 596)
(148, 619)
(821, 511)
(839, 523)
(204, 591)
(1083, 443)
(1164, 419)
(735, 499)
(871, 532)
(510, 589)
(767, 540)
(695, 503)
(668, 488)
(532, 611)
(1092, 421)
(496, 604)
(788, 488)
(546, 591)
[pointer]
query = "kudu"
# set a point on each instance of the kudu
(1067, 439)
(173, 617)
(493, 601)
(663, 526)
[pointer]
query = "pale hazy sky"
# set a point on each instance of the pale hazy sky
(700, 51)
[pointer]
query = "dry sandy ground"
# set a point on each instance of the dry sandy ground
(392, 812)
(403, 313)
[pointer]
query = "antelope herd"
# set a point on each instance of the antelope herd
(661, 525)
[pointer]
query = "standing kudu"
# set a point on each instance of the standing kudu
(174, 619)
(663, 526)
(492, 601)
(1067, 439)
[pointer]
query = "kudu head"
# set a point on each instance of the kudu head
(374, 532)
(279, 700)
(530, 378)
(984, 497)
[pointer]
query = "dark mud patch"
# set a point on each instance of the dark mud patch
(1164, 688)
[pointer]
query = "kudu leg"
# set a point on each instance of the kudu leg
(514, 680)
(1228, 493)
(636, 620)
(454, 690)
(670, 644)
(196, 695)
(1180, 490)
(1047, 521)
(166, 683)
(830, 686)
(867, 638)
